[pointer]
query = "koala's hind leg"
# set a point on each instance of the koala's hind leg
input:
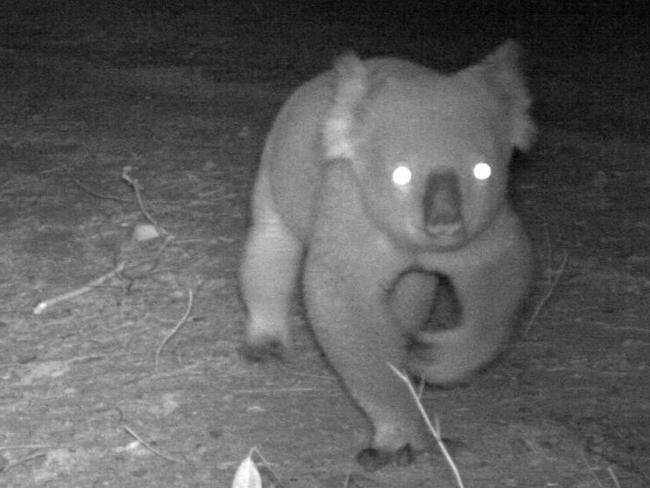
(268, 276)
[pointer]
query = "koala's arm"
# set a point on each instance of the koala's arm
(349, 269)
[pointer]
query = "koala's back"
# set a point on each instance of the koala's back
(293, 151)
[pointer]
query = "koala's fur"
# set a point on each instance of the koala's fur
(370, 248)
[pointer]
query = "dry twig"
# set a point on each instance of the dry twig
(137, 188)
(613, 476)
(42, 306)
(26, 459)
(267, 471)
(132, 273)
(553, 279)
(190, 299)
(434, 430)
(149, 446)
(152, 262)
(24, 446)
(92, 192)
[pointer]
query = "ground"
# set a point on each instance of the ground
(138, 382)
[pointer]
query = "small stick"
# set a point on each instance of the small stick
(591, 470)
(24, 446)
(613, 476)
(22, 461)
(268, 391)
(190, 299)
(553, 281)
(42, 306)
(274, 478)
(152, 262)
(148, 446)
(135, 184)
(92, 192)
(434, 430)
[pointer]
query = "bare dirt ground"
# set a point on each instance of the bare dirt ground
(183, 96)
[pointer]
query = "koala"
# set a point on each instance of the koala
(379, 178)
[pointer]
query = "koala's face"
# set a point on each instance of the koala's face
(432, 160)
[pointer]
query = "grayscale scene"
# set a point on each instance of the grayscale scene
(324, 244)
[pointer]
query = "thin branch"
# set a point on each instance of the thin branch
(149, 446)
(269, 391)
(137, 187)
(190, 299)
(42, 306)
(90, 191)
(22, 461)
(434, 430)
(613, 476)
(24, 446)
(118, 270)
(554, 278)
(268, 471)
(152, 262)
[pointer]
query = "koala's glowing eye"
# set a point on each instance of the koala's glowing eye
(401, 176)
(482, 171)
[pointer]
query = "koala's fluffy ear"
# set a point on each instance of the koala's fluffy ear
(343, 118)
(501, 71)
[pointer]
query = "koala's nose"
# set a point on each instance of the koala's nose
(442, 204)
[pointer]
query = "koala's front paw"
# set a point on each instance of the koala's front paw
(372, 459)
(263, 350)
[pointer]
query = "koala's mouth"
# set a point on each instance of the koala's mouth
(452, 230)
(446, 236)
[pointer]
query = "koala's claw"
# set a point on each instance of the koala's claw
(372, 459)
(262, 352)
